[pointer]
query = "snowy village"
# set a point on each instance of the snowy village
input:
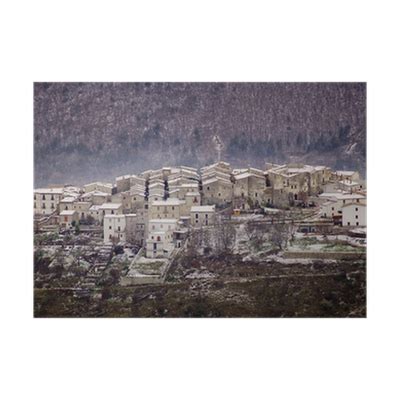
(136, 230)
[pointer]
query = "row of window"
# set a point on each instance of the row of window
(44, 205)
(43, 197)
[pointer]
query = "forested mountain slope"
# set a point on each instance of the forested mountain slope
(88, 131)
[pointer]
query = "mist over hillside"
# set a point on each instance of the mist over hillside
(91, 131)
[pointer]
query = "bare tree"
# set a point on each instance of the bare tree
(255, 233)
(279, 231)
(225, 236)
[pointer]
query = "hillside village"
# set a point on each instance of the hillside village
(144, 224)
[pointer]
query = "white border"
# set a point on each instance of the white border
(207, 41)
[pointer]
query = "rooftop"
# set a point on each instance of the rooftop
(113, 206)
(49, 191)
(169, 202)
(68, 212)
(202, 209)
(95, 193)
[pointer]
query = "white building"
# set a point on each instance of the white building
(68, 218)
(114, 228)
(354, 214)
(160, 240)
(46, 201)
(202, 215)
(110, 208)
(119, 228)
(166, 209)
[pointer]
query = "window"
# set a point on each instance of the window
(52, 197)
(43, 205)
(256, 194)
(197, 216)
(348, 223)
(208, 187)
(52, 206)
(206, 216)
(43, 197)
(34, 205)
(112, 211)
(358, 200)
(344, 201)
(357, 223)
(34, 197)
(158, 238)
(333, 208)
(356, 208)
(356, 216)
(119, 229)
(109, 227)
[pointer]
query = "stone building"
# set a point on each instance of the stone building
(202, 216)
(46, 201)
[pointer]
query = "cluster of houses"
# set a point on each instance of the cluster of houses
(157, 208)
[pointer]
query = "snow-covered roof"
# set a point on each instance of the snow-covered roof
(67, 212)
(109, 185)
(168, 202)
(95, 193)
(109, 206)
(122, 177)
(214, 180)
(247, 174)
(202, 209)
(68, 200)
(342, 196)
(49, 191)
(345, 173)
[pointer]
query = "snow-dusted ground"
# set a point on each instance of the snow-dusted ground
(200, 275)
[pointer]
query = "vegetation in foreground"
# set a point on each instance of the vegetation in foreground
(223, 287)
